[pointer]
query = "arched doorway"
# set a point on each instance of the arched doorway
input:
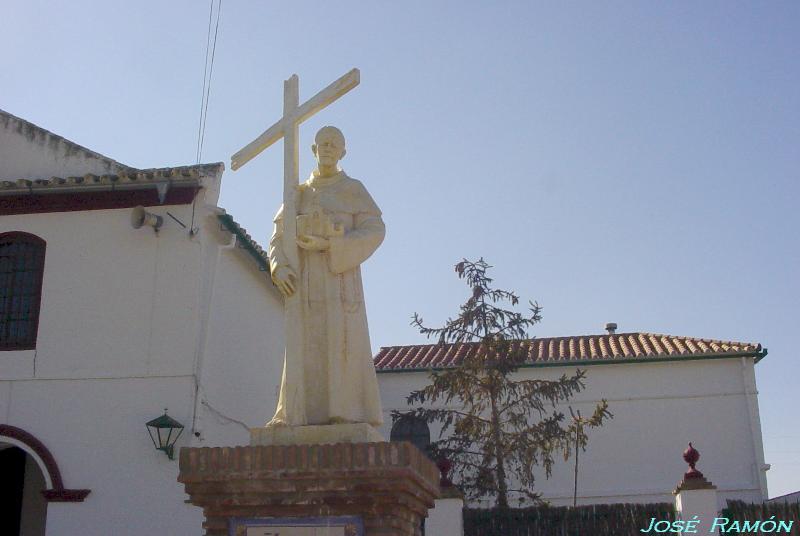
(36, 482)
(23, 507)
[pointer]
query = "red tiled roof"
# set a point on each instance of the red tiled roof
(585, 349)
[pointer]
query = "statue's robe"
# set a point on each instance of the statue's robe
(339, 382)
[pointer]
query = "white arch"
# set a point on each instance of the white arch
(28, 450)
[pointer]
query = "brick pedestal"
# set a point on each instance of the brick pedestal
(390, 486)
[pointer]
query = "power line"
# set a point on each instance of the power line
(205, 76)
(208, 71)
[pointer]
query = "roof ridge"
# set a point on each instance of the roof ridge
(54, 136)
(208, 165)
(605, 347)
(586, 335)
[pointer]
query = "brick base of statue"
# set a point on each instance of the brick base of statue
(389, 486)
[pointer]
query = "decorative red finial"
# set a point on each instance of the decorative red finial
(444, 465)
(691, 455)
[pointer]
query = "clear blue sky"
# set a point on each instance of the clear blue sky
(634, 162)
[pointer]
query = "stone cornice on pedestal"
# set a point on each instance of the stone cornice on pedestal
(693, 483)
(452, 492)
(390, 486)
(315, 434)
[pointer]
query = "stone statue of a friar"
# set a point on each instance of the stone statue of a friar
(338, 227)
(325, 228)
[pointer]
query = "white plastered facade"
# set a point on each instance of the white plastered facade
(658, 408)
(132, 322)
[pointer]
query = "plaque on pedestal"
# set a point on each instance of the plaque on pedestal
(311, 526)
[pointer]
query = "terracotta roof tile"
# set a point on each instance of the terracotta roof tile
(581, 349)
(124, 179)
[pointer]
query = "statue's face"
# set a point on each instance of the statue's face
(328, 149)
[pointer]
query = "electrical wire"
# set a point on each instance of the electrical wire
(208, 71)
(205, 77)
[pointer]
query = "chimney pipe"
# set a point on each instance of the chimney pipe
(611, 327)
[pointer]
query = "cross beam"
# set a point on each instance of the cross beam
(296, 115)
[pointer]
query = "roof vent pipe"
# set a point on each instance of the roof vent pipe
(611, 327)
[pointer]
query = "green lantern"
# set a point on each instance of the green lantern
(164, 431)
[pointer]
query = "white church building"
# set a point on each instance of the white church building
(107, 318)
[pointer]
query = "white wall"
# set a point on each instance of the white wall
(129, 320)
(132, 322)
(116, 301)
(95, 430)
(658, 408)
(243, 361)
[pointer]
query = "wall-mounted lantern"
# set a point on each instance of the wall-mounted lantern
(164, 431)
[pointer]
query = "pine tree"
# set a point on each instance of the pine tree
(497, 428)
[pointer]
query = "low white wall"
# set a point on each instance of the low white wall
(446, 518)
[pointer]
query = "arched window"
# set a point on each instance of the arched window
(21, 271)
(412, 429)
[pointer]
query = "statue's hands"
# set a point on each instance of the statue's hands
(285, 279)
(333, 229)
(313, 243)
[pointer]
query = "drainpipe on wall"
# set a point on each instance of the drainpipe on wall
(208, 294)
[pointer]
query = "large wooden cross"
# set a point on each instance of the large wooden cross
(287, 127)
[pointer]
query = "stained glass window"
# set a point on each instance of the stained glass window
(21, 270)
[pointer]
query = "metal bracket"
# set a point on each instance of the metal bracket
(162, 188)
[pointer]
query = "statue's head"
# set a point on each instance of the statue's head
(328, 146)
